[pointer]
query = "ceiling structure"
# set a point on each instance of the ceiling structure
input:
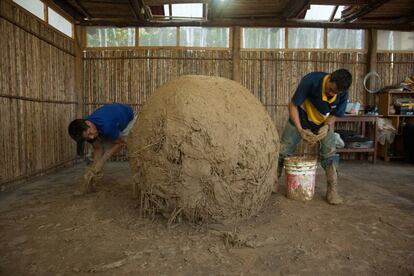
(387, 14)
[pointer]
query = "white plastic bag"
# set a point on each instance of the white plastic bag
(386, 131)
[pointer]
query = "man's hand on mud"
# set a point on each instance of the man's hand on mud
(91, 177)
(323, 131)
(308, 136)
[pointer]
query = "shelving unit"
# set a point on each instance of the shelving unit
(386, 107)
(371, 120)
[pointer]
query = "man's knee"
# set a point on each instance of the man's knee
(330, 160)
(328, 144)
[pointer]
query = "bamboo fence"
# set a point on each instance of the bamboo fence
(37, 97)
(394, 68)
(130, 76)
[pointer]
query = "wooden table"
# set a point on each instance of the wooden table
(363, 119)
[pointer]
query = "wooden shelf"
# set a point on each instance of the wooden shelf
(386, 99)
(363, 120)
(355, 150)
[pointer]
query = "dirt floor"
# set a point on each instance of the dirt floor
(45, 230)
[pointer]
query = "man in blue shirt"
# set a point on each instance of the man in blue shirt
(109, 123)
(318, 100)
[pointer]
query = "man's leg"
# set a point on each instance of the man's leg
(290, 139)
(330, 161)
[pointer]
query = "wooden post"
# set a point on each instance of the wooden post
(46, 13)
(79, 46)
(236, 53)
(372, 62)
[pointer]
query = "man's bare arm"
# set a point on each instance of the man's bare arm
(294, 115)
(116, 147)
(98, 150)
(330, 121)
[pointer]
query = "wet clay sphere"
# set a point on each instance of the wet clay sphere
(205, 149)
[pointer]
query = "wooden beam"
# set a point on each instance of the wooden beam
(269, 16)
(136, 9)
(205, 6)
(340, 2)
(147, 10)
(372, 62)
(248, 23)
(295, 8)
(404, 20)
(236, 41)
(68, 8)
(80, 44)
(374, 4)
(331, 18)
(80, 8)
(163, 2)
(141, 11)
(46, 13)
(211, 10)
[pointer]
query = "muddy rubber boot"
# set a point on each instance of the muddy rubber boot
(279, 173)
(332, 195)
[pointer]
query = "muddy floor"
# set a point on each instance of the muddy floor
(45, 230)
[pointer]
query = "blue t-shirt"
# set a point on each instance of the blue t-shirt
(313, 105)
(111, 119)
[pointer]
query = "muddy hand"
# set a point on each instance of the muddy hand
(323, 131)
(308, 136)
(88, 181)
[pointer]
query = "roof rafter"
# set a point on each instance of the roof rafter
(372, 5)
(141, 11)
(404, 20)
(80, 8)
(244, 22)
(331, 18)
(70, 9)
(294, 9)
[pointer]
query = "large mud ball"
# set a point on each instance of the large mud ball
(203, 148)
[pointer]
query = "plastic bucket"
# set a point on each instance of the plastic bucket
(300, 177)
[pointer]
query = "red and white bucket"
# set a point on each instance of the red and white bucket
(300, 177)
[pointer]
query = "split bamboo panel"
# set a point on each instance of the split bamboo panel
(394, 68)
(12, 13)
(130, 76)
(37, 97)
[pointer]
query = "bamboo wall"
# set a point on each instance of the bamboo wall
(395, 67)
(37, 97)
(130, 76)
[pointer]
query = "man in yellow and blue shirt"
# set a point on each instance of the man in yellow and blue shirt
(318, 100)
